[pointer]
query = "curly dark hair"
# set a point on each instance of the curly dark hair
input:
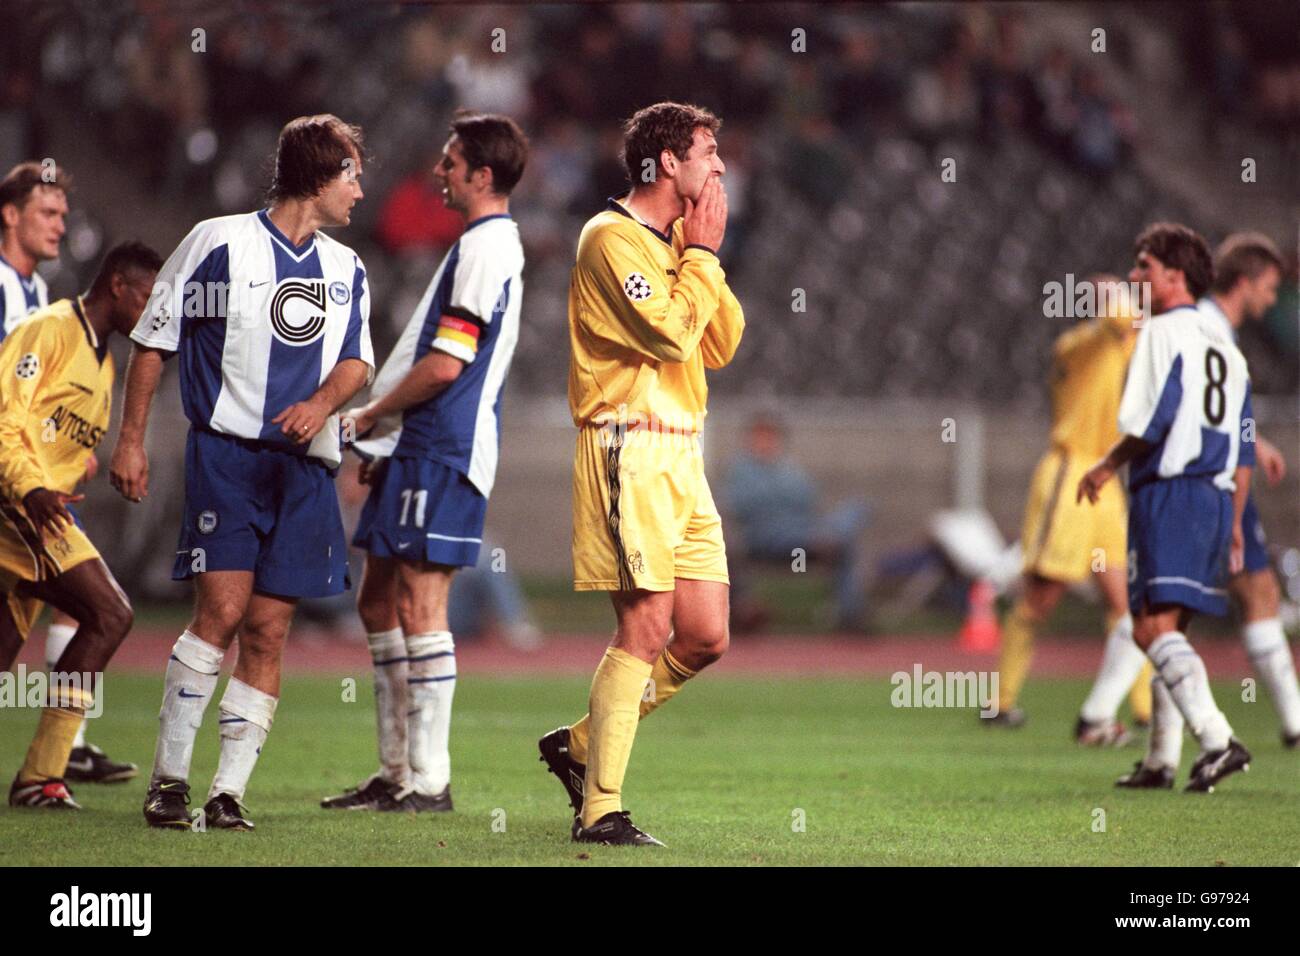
(663, 126)
(1178, 247)
(124, 257)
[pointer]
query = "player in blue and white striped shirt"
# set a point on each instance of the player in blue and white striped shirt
(33, 206)
(432, 459)
(1181, 420)
(270, 319)
(1247, 271)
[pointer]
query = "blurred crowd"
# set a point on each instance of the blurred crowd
(192, 100)
(183, 103)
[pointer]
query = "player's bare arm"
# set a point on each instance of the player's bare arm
(1124, 451)
(1270, 460)
(303, 421)
(128, 469)
(1237, 549)
(427, 378)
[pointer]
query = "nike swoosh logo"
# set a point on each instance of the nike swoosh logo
(254, 285)
(182, 693)
(403, 545)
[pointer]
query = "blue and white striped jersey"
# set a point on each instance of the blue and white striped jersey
(1187, 393)
(20, 296)
(470, 310)
(259, 324)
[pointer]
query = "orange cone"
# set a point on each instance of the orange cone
(980, 633)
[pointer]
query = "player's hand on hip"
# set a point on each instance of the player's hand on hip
(302, 421)
(128, 471)
(48, 510)
(1090, 484)
(705, 222)
(1237, 550)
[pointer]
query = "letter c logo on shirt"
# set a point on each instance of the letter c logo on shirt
(298, 311)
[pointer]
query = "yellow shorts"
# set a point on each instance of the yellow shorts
(25, 556)
(1065, 541)
(643, 514)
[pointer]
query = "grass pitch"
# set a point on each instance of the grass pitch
(734, 772)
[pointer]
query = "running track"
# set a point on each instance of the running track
(147, 651)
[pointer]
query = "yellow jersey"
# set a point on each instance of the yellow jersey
(647, 316)
(1089, 363)
(56, 387)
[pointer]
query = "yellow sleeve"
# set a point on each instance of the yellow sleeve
(722, 335)
(29, 358)
(1076, 341)
(641, 312)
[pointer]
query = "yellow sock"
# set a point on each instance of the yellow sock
(1139, 696)
(616, 691)
(47, 757)
(667, 675)
(1017, 651)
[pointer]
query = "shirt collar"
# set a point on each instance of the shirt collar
(29, 281)
(1210, 308)
(617, 206)
(101, 348)
(263, 216)
(483, 219)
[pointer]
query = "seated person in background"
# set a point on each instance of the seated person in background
(772, 504)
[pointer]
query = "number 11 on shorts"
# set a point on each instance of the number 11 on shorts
(421, 497)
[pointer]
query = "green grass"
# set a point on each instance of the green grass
(718, 775)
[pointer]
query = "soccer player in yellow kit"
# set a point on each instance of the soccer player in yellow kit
(56, 386)
(1063, 541)
(649, 311)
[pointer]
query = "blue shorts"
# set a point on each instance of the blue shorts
(1179, 530)
(423, 510)
(1252, 529)
(252, 507)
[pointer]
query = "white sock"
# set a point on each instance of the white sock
(193, 668)
(431, 677)
(1165, 745)
(1183, 672)
(1271, 656)
(57, 639)
(1121, 663)
(388, 651)
(246, 715)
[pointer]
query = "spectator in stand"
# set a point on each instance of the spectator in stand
(772, 505)
(414, 219)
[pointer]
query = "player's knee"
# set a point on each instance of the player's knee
(115, 617)
(263, 638)
(708, 643)
(216, 620)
